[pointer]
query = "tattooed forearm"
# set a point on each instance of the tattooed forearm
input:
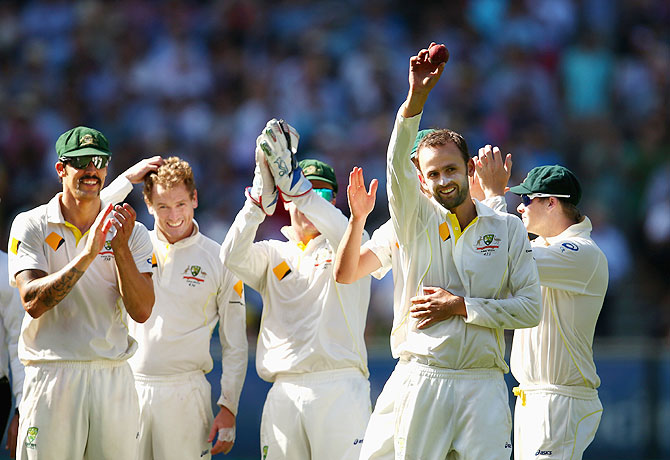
(41, 293)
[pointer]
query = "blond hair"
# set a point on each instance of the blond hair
(171, 173)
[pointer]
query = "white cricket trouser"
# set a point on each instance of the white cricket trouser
(78, 410)
(431, 413)
(175, 416)
(555, 422)
(319, 416)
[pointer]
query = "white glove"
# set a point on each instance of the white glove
(279, 142)
(263, 191)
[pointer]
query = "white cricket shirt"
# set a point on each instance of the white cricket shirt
(90, 322)
(12, 313)
(489, 263)
(194, 292)
(574, 275)
(309, 322)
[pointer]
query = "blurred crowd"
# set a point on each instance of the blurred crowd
(583, 83)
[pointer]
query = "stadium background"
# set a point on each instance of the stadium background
(581, 83)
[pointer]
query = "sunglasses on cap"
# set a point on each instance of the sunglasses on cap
(99, 161)
(526, 199)
(325, 193)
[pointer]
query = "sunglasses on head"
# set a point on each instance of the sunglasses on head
(99, 161)
(325, 193)
(526, 199)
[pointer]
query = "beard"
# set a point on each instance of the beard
(452, 202)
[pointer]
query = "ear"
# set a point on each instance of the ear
(552, 202)
(149, 207)
(194, 200)
(60, 169)
(422, 181)
(471, 167)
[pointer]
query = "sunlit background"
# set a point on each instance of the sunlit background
(580, 83)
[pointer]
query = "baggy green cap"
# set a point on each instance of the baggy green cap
(420, 135)
(82, 141)
(318, 170)
(552, 180)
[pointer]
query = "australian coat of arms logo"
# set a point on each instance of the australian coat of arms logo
(107, 253)
(194, 275)
(487, 244)
(31, 437)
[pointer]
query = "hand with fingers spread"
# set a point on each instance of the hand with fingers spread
(493, 173)
(435, 305)
(361, 202)
(135, 174)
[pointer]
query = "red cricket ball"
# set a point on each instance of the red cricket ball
(437, 54)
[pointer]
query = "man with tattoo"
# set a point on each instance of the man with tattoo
(74, 260)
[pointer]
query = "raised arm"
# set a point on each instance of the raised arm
(353, 262)
(405, 197)
(119, 188)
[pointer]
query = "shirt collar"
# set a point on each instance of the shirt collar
(289, 233)
(189, 240)
(582, 229)
(54, 212)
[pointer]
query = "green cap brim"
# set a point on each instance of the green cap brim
(86, 151)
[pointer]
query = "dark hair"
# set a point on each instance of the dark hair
(443, 137)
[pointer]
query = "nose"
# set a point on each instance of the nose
(90, 167)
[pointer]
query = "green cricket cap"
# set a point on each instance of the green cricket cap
(420, 135)
(318, 170)
(552, 180)
(82, 141)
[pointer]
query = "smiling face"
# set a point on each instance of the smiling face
(444, 174)
(82, 184)
(173, 210)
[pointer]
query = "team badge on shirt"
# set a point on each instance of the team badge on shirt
(107, 253)
(194, 275)
(487, 244)
(31, 437)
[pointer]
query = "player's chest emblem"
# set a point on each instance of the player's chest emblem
(194, 275)
(487, 244)
(323, 258)
(107, 254)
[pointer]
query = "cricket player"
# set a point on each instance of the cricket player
(11, 314)
(447, 396)
(194, 291)
(73, 267)
(310, 343)
(381, 254)
(557, 409)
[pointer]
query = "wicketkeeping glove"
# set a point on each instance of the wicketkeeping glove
(279, 142)
(263, 191)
